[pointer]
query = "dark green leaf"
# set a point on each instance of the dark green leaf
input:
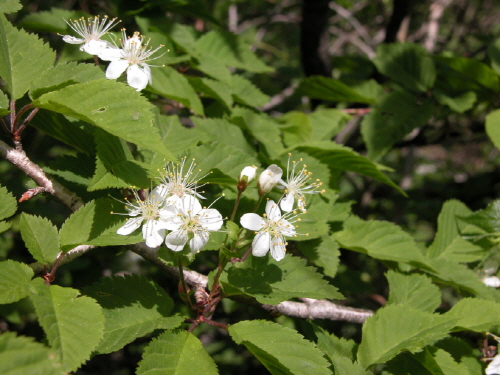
(245, 92)
(10, 6)
(176, 353)
(41, 237)
(15, 281)
(22, 355)
(395, 328)
(73, 323)
(416, 291)
(129, 117)
(272, 282)
(323, 252)
(395, 115)
(332, 90)
(23, 57)
(8, 204)
(172, 84)
(282, 350)
(408, 64)
(487, 219)
(131, 296)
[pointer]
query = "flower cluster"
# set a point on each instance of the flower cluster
(132, 55)
(173, 206)
(272, 228)
(172, 212)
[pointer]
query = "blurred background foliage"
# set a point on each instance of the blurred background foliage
(449, 157)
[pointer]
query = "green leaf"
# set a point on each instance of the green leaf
(397, 113)
(296, 128)
(460, 277)
(131, 296)
(448, 242)
(323, 252)
(73, 132)
(51, 21)
(213, 89)
(408, 64)
(397, 328)
(40, 236)
(4, 104)
(212, 67)
(341, 158)
(170, 83)
(440, 362)
(326, 123)
(487, 219)
(15, 281)
(115, 166)
(329, 89)
(333, 346)
(340, 352)
(494, 55)
(22, 355)
(272, 282)
(457, 102)
(379, 239)
(282, 350)
(23, 57)
(73, 323)
(416, 291)
(8, 204)
(462, 352)
(176, 353)
(265, 129)
(10, 6)
(224, 160)
(94, 224)
(62, 75)
(129, 117)
(230, 50)
(475, 314)
(4, 226)
(211, 130)
(245, 92)
(470, 71)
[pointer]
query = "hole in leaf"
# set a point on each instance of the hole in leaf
(100, 110)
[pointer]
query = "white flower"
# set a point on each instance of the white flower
(493, 281)
(494, 366)
(90, 32)
(268, 179)
(148, 211)
(271, 231)
(296, 185)
(248, 174)
(176, 183)
(190, 222)
(132, 57)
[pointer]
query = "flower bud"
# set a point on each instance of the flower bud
(246, 176)
(268, 179)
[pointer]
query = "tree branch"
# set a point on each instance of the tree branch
(311, 310)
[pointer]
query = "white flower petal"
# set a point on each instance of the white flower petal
(286, 203)
(137, 77)
(286, 228)
(494, 366)
(210, 219)
(153, 233)
(111, 54)
(188, 205)
(147, 70)
(273, 211)
(72, 40)
(278, 248)
(94, 47)
(261, 244)
(252, 222)
(198, 242)
(176, 240)
(269, 178)
(170, 218)
(130, 226)
(492, 281)
(116, 68)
